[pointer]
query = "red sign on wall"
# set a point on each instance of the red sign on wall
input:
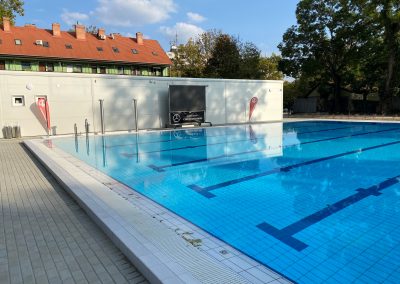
(253, 103)
(43, 106)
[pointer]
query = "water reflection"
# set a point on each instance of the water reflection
(87, 146)
(104, 150)
(253, 135)
(194, 150)
(76, 145)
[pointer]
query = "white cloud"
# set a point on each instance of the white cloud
(127, 13)
(132, 35)
(72, 17)
(184, 31)
(196, 18)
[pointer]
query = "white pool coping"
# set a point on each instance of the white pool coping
(299, 119)
(163, 246)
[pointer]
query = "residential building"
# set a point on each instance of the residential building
(29, 48)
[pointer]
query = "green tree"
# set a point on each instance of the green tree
(9, 8)
(384, 17)
(225, 59)
(250, 61)
(191, 58)
(290, 93)
(269, 68)
(367, 71)
(92, 29)
(188, 61)
(323, 44)
(206, 43)
(217, 55)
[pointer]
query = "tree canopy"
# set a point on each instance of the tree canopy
(225, 59)
(269, 68)
(9, 8)
(350, 45)
(214, 54)
(324, 44)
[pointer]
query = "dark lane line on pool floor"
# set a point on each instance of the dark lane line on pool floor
(205, 191)
(161, 168)
(222, 135)
(285, 235)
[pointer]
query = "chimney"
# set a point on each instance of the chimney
(56, 29)
(6, 24)
(80, 32)
(101, 34)
(139, 38)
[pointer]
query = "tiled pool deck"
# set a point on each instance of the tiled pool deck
(45, 237)
(164, 247)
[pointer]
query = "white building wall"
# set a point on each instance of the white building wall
(75, 97)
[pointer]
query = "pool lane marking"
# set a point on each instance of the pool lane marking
(222, 135)
(162, 168)
(285, 235)
(205, 191)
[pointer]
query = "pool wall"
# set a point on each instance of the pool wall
(75, 97)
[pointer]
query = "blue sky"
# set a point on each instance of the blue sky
(262, 22)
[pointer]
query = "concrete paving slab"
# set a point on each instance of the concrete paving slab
(43, 228)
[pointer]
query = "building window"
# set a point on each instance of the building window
(68, 46)
(157, 71)
(115, 49)
(94, 69)
(134, 51)
(103, 70)
(18, 42)
(42, 67)
(26, 66)
(127, 70)
(99, 48)
(18, 101)
(46, 44)
(49, 67)
(70, 68)
(136, 72)
(120, 70)
(154, 53)
(46, 67)
(77, 68)
(2, 65)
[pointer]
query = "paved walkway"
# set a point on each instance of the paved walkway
(45, 237)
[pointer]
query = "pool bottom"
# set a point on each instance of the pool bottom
(230, 263)
(245, 194)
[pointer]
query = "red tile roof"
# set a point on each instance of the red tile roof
(149, 53)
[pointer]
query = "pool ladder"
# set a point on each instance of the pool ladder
(86, 128)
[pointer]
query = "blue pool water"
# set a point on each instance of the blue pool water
(318, 202)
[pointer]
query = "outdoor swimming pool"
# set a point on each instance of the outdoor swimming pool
(318, 202)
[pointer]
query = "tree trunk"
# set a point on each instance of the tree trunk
(387, 95)
(365, 95)
(391, 33)
(337, 92)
